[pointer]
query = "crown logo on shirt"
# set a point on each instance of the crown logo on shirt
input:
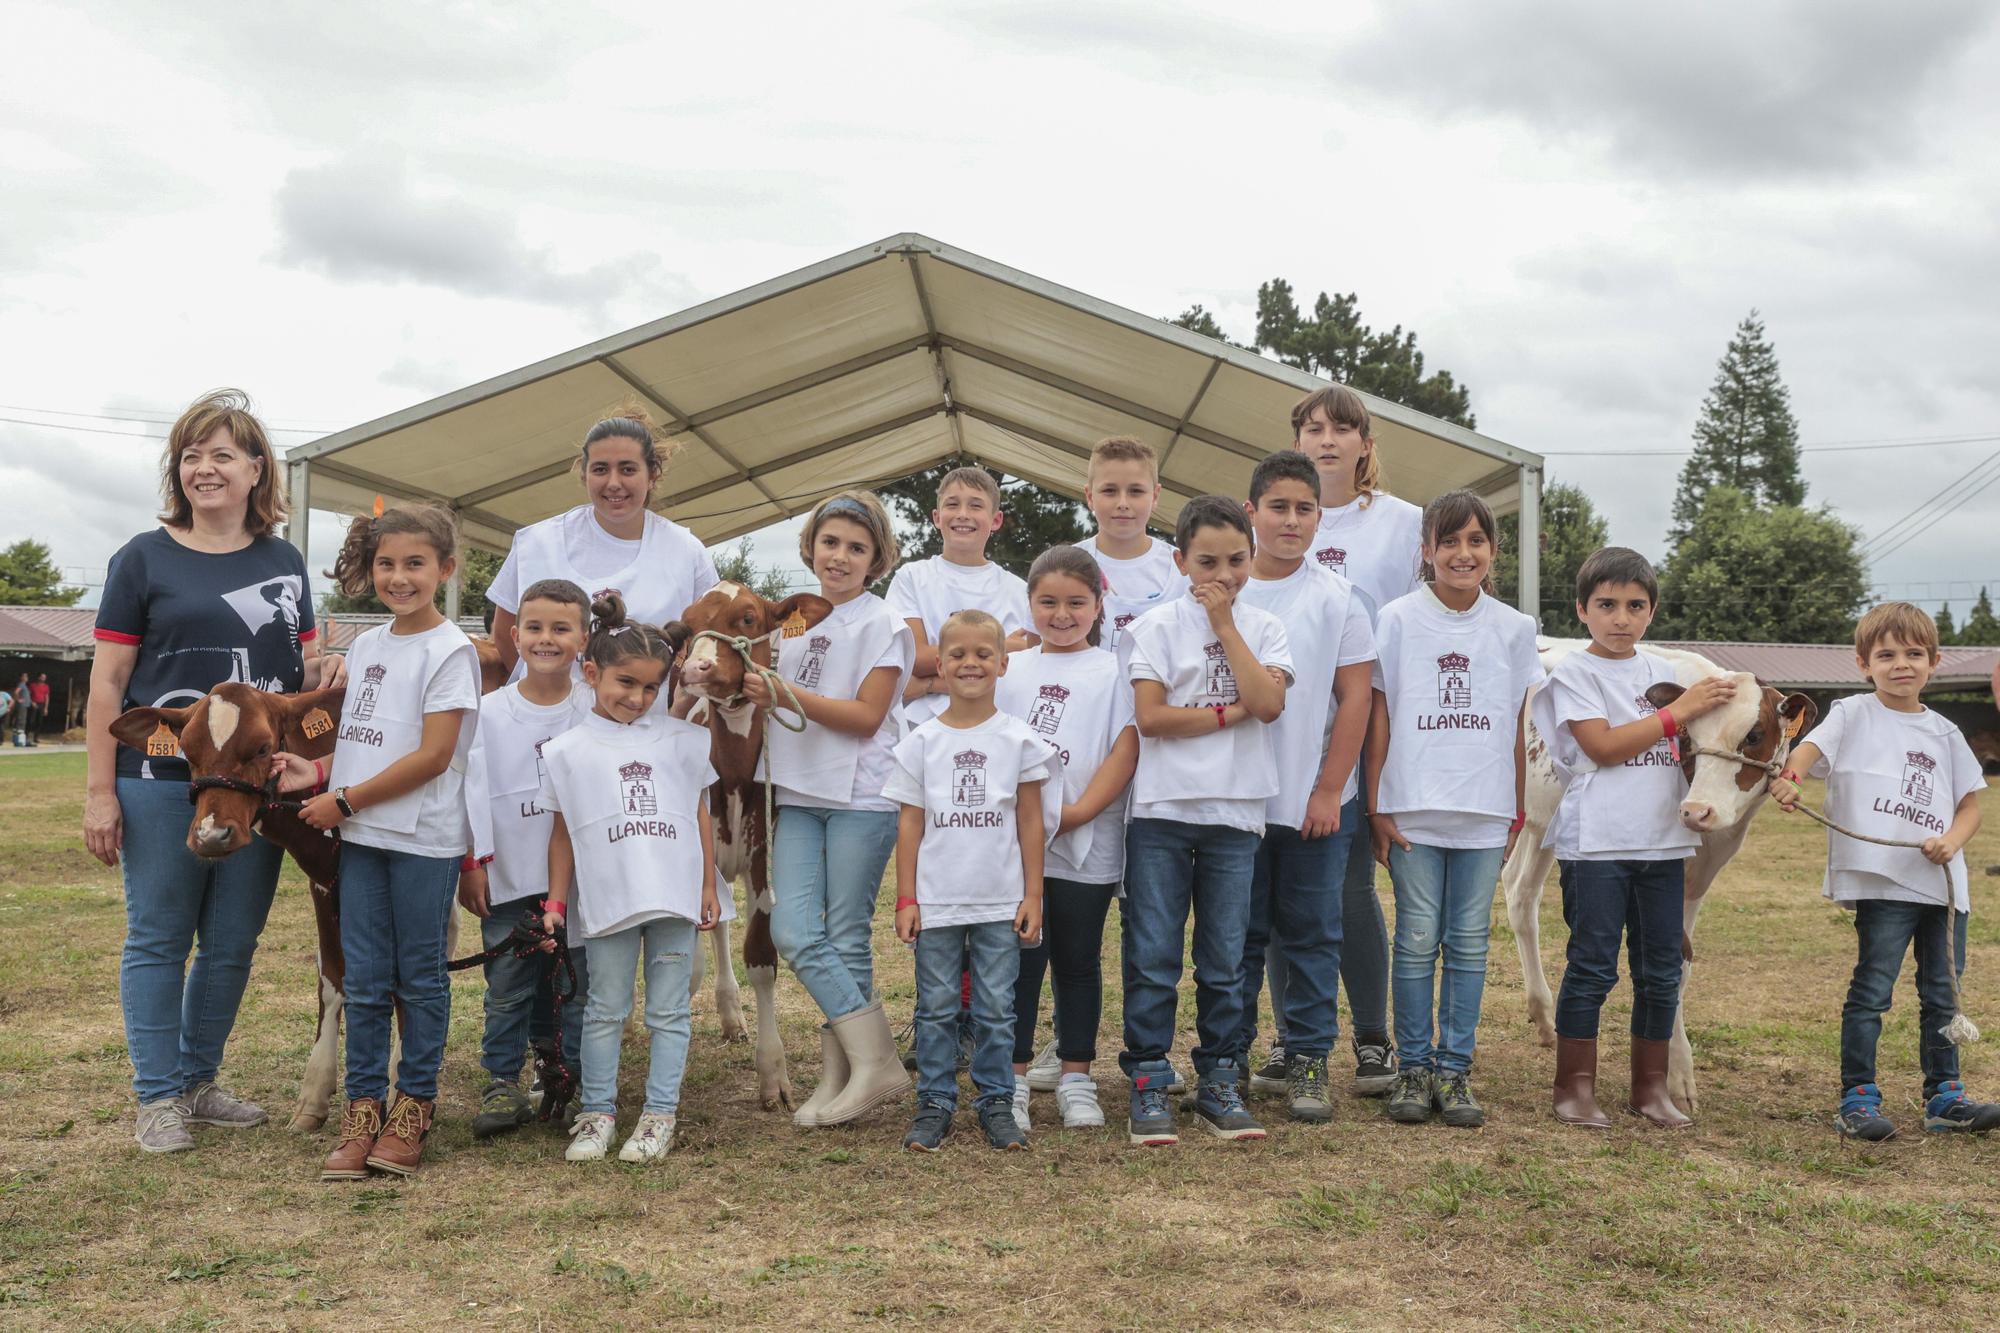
(375, 673)
(969, 759)
(818, 643)
(635, 789)
(1918, 759)
(1056, 692)
(635, 770)
(1454, 681)
(1332, 557)
(363, 706)
(968, 784)
(1047, 713)
(1215, 650)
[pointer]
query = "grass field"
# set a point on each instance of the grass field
(1760, 1216)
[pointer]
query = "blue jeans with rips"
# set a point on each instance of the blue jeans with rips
(996, 966)
(394, 908)
(666, 946)
(1297, 913)
(1173, 869)
(1639, 901)
(1444, 907)
(827, 866)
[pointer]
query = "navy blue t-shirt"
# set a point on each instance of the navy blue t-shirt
(200, 619)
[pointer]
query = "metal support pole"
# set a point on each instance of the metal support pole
(298, 487)
(457, 581)
(1531, 543)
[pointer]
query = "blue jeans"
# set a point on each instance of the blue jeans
(177, 1016)
(1444, 906)
(827, 866)
(1640, 901)
(1170, 869)
(394, 907)
(515, 989)
(1884, 932)
(668, 943)
(1364, 947)
(996, 965)
(1297, 911)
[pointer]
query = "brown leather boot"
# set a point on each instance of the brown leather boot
(1649, 1086)
(1576, 1083)
(359, 1124)
(400, 1149)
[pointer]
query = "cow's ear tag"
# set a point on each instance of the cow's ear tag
(162, 744)
(795, 625)
(316, 724)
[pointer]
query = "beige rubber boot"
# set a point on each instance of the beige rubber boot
(874, 1074)
(832, 1079)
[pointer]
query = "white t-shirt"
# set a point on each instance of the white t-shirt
(631, 797)
(932, 591)
(1455, 682)
(1222, 777)
(659, 576)
(1630, 811)
(1892, 775)
(829, 769)
(393, 681)
(1079, 703)
(1378, 546)
(967, 782)
(1135, 586)
(1326, 626)
(503, 787)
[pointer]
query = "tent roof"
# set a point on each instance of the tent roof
(862, 369)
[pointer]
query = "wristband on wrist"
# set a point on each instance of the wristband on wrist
(1789, 775)
(467, 863)
(340, 799)
(1221, 715)
(560, 909)
(322, 773)
(901, 903)
(1520, 821)
(1668, 727)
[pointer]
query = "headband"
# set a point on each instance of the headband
(842, 504)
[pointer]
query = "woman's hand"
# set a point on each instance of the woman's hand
(103, 826)
(324, 671)
(322, 812)
(294, 772)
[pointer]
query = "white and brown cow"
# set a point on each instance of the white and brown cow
(230, 733)
(1759, 722)
(714, 672)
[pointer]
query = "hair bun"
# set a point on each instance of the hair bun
(607, 610)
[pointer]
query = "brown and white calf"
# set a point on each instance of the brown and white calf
(231, 733)
(1759, 722)
(714, 672)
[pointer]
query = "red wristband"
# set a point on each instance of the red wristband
(322, 774)
(1520, 821)
(1221, 715)
(467, 863)
(1789, 776)
(1668, 727)
(901, 903)
(560, 909)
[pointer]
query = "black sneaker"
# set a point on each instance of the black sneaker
(1413, 1096)
(1218, 1105)
(502, 1107)
(1003, 1131)
(1305, 1084)
(1374, 1066)
(1456, 1104)
(1274, 1076)
(931, 1127)
(1861, 1115)
(1949, 1109)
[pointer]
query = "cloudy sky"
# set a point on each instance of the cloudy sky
(346, 212)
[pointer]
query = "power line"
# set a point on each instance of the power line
(1849, 446)
(1916, 515)
(1950, 509)
(149, 420)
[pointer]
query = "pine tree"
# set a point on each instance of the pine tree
(1746, 437)
(29, 577)
(1982, 629)
(1335, 343)
(1947, 632)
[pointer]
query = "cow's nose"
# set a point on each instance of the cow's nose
(1698, 815)
(701, 669)
(212, 840)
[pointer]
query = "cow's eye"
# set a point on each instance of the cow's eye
(1756, 736)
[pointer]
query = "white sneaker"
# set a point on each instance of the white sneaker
(651, 1138)
(1076, 1095)
(1021, 1091)
(590, 1136)
(1046, 1072)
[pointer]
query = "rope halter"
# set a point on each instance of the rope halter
(745, 646)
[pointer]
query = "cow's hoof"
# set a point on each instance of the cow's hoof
(307, 1122)
(779, 1096)
(734, 1032)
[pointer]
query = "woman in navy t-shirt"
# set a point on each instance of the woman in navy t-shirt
(213, 595)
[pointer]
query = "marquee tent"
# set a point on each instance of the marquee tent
(865, 368)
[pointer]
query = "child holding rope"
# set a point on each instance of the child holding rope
(508, 869)
(1903, 777)
(632, 845)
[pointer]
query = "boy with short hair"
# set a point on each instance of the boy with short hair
(959, 578)
(1121, 490)
(1898, 771)
(1608, 716)
(969, 847)
(507, 872)
(1296, 884)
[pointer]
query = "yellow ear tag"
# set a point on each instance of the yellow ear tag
(795, 625)
(316, 724)
(162, 744)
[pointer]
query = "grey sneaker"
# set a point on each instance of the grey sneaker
(1218, 1105)
(1410, 1101)
(1273, 1076)
(1461, 1110)
(1374, 1066)
(1305, 1083)
(1151, 1121)
(163, 1126)
(502, 1107)
(1003, 1131)
(208, 1104)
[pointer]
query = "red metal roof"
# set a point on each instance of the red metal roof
(47, 631)
(1830, 666)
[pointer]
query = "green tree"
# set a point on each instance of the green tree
(1335, 343)
(1947, 632)
(1780, 575)
(29, 577)
(476, 568)
(1746, 437)
(1037, 518)
(1197, 319)
(734, 565)
(1571, 530)
(1981, 629)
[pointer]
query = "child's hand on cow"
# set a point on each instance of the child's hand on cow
(908, 922)
(472, 888)
(757, 689)
(322, 812)
(1786, 793)
(295, 772)
(1384, 832)
(1704, 696)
